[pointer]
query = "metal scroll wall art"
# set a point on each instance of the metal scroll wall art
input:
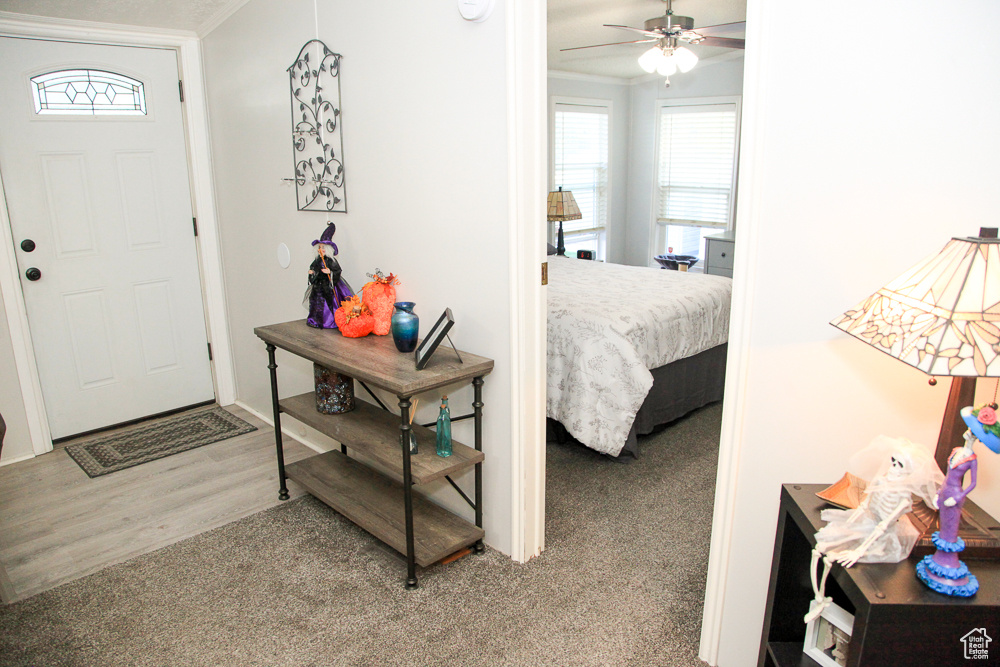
(317, 140)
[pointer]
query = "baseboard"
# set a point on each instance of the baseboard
(7, 462)
(284, 431)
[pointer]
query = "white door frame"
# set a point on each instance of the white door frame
(527, 160)
(748, 220)
(527, 155)
(195, 112)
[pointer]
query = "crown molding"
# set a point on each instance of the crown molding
(220, 16)
(29, 24)
(592, 78)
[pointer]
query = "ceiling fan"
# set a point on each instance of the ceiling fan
(669, 31)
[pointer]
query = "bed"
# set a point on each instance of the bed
(630, 348)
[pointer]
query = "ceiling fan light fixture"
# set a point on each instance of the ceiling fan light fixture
(649, 60)
(667, 66)
(686, 59)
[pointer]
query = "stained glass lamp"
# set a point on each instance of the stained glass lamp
(562, 206)
(942, 317)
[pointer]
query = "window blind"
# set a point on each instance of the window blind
(696, 164)
(581, 163)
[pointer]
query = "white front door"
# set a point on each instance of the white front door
(95, 175)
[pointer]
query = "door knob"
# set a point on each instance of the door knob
(27, 245)
(32, 274)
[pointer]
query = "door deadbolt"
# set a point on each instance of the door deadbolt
(32, 274)
(27, 245)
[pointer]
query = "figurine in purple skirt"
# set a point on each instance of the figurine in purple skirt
(327, 288)
(943, 571)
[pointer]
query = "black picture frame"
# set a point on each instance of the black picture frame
(434, 338)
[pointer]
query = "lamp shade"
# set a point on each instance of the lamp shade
(562, 206)
(943, 315)
(650, 59)
(686, 59)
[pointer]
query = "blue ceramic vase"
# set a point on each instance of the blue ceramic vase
(405, 325)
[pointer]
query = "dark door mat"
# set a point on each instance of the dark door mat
(116, 451)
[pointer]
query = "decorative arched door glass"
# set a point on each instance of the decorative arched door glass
(88, 92)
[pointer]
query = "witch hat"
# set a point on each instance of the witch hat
(327, 237)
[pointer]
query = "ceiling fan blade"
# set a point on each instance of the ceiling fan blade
(728, 42)
(648, 33)
(593, 46)
(722, 29)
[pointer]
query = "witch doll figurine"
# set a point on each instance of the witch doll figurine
(326, 286)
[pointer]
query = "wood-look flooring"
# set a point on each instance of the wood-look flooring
(57, 524)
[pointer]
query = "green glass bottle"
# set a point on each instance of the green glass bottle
(444, 429)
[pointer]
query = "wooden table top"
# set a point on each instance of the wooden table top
(374, 359)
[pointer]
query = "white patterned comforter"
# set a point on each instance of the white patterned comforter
(608, 325)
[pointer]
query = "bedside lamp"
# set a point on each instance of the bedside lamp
(942, 317)
(562, 206)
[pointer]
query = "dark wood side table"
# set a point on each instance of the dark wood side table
(897, 620)
(381, 500)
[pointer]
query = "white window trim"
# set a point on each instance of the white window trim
(658, 231)
(603, 239)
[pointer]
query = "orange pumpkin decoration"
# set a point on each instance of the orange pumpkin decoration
(380, 295)
(353, 318)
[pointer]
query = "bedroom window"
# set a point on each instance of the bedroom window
(580, 164)
(696, 174)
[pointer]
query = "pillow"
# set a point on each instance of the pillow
(552, 249)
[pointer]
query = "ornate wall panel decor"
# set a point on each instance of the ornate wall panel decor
(318, 145)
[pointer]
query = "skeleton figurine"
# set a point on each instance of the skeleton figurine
(873, 533)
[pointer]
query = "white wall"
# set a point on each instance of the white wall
(424, 124)
(619, 94)
(712, 78)
(869, 161)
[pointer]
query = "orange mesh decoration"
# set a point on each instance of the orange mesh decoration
(353, 318)
(380, 295)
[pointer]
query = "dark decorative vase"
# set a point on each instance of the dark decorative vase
(405, 326)
(334, 391)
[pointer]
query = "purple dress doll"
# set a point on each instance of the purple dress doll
(943, 571)
(326, 286)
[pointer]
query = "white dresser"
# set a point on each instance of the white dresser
(719, 252)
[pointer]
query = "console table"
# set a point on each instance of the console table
(380, 497)
(897, 620)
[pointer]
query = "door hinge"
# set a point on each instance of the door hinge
(194, 222)
(209, 351)
(545, 273)
(180, 89)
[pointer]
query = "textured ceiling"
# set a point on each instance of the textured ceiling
(581, 23)
(189, 15)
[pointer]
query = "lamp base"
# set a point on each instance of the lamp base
(979, 531)
(560, 242)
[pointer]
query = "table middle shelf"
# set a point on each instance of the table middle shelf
(376, 433)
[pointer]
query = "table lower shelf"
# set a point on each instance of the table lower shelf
(376, 503)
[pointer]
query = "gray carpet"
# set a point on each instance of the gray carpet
(621, 583)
